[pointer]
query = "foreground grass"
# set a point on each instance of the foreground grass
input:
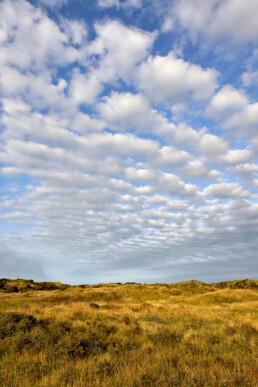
(187, 334)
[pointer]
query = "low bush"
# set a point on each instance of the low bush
(11, 289)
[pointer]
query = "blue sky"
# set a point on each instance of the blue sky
(128, 140)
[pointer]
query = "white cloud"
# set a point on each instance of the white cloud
(118, 3)
(108, 3)
(24, 26)
(177, 205)
(226, 101)
(248, 173)
(250, 78)
(38, 91)
(12, 81)
(118, 49)
(131, 3)
(178, 110)
(120, 144)
(157, 199)
(247, 168)
(95, 146)
(75, 30)
(236, 156)
(255, 144)
(140, 174)
(173, 185)
(53, 3)
(235, 20)
(248, 117)
(234, 109)
(226, 191)
(184, 134)
(196, 169)
(212, 146)
(216, 150)
(84, 124)
(143, 190)
(171, 78)
(84, 88)
(123, 111)
(12, 106)
(170, 157)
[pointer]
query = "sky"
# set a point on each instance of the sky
(128, 140)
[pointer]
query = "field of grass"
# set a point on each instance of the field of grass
(185, 334)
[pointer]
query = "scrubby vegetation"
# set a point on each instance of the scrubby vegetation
(187, 334)
(21, 285)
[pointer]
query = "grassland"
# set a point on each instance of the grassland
(186, 334)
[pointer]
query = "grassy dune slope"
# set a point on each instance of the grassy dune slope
(187, 334)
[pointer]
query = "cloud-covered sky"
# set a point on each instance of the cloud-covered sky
(128, 140)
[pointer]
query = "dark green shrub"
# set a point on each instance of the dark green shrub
(175, 292)
(3, 282)
(19, 341)
(214, 338)
(93, 344)
(55, 331)
(109, 306)
(106, 368)
(137, 330)
(101, 328)
(11, 323)
(248, 330)
(11, 289)
(95, 306)
(127, 320)
(166, 337)
(148, 379)
(71, 346)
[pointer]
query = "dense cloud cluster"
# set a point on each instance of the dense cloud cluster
(120, 161)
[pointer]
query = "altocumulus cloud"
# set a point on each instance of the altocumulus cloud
(128, 142)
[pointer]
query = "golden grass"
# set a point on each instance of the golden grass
(187, 334)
